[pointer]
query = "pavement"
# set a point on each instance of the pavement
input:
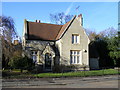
(108, 81)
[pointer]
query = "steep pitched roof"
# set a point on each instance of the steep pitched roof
(62, 30)
(45, 31)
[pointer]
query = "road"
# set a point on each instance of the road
(109, 81)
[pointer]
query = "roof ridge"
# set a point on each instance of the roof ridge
(44, 23)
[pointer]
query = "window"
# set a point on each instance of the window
(75, 39)
(34, 56)
(75, 56)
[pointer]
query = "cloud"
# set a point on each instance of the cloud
(69, 8)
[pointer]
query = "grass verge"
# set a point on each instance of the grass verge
(79, 73)
(25, 74)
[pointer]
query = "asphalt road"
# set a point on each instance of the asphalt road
(109, 81)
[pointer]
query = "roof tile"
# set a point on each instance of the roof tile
(45, 31)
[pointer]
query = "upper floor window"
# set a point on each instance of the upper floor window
(75, 38)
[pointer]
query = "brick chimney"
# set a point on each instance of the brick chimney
(38, 21)
(80, 19)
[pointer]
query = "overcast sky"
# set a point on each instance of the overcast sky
(97, 16)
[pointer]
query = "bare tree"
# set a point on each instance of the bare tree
(7, 28)
(109, 32)
(7, 34)
(60, 18)
(92, 34)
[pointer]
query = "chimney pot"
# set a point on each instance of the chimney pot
(80, 15)
(38, 21)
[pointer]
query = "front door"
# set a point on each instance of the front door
(48, 61)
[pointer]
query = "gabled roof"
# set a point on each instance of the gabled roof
(45, 31)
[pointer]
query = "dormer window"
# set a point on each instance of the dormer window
(75, 38)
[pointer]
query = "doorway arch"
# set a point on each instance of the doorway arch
(48, 61)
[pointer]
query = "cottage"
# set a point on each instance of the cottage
(51, 45)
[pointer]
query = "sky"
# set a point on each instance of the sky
(97, 16)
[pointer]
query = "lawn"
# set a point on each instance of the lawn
(15, 73)
(26, 74)
(79, 73)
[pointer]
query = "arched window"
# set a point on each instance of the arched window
(34, 56)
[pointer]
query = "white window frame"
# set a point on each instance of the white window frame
(75, 39)
(75, 57)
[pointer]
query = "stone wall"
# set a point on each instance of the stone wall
(65, 44)
(42, 47)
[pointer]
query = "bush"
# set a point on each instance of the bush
(21, 63)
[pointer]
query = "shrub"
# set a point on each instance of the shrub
(21, 63)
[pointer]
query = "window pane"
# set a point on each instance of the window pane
(71, 58)
(34, 58)
(78, 39)
(74, 59)
(78, 52)
(35, 52)
(75, 52)
(78, 59)
(32, 52)
(75, 38)
(72, 53)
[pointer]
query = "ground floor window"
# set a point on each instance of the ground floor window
(34, 56)
(75, 56)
